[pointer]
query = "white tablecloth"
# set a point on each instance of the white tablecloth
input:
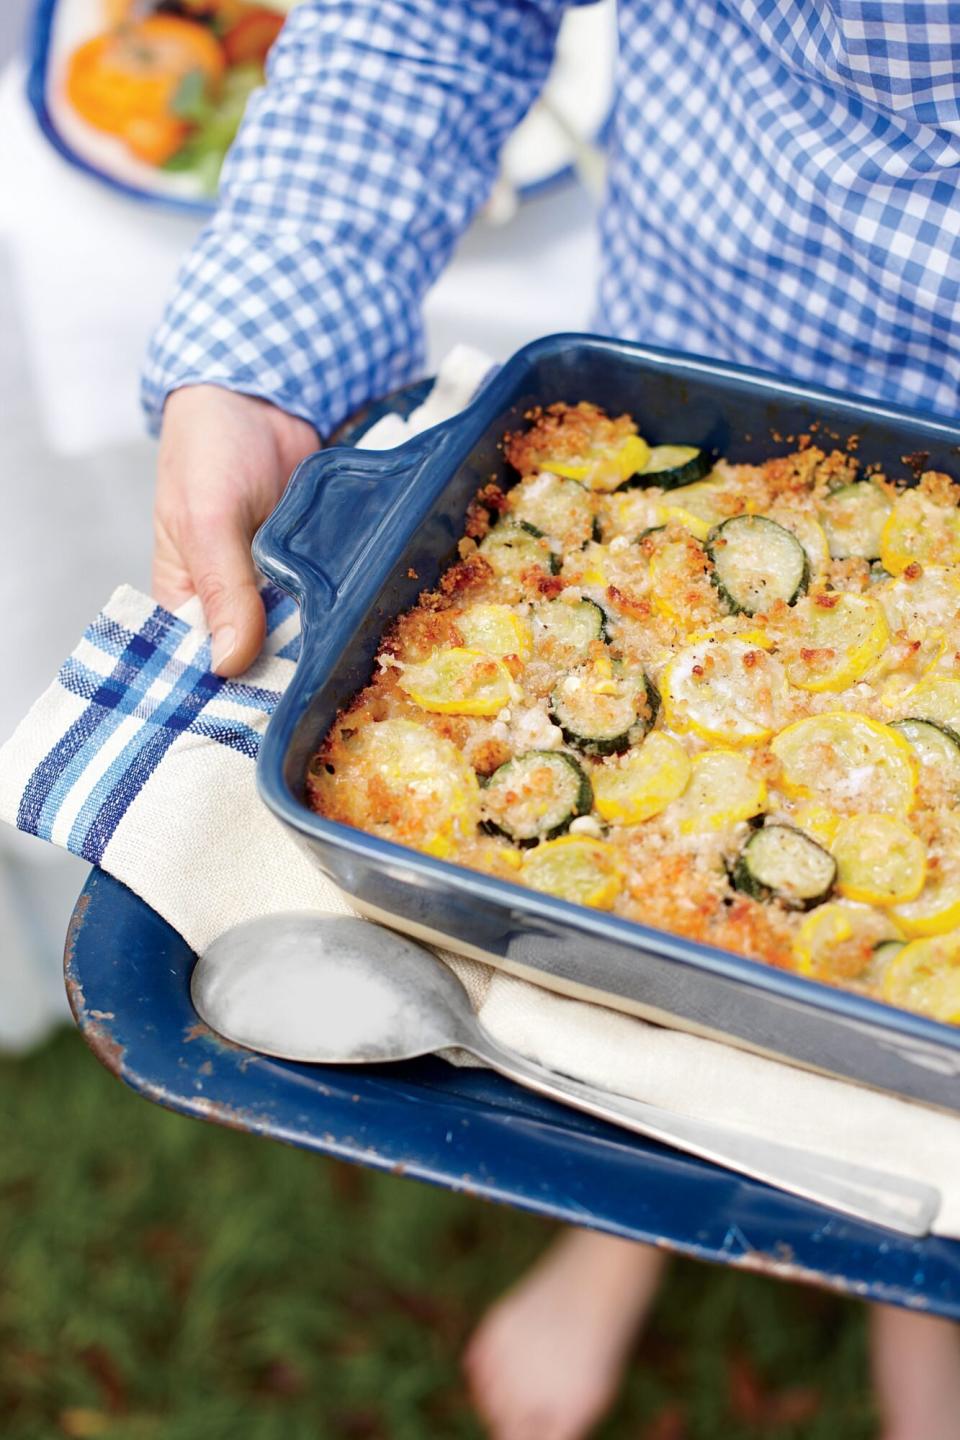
(83, 275)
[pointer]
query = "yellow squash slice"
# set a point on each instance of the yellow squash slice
(809, 532)
(847, 761)
(711, 500)
(399, 780)
(729, 692)
(842, 636)
(879, 860)
(643, 782)
(585, 871)
(853, 519)
(497, 630)
(912, 604)
(678, 571)
(607, 468)
(935, 911)
(925, 976)
(722, 791)
(677, 515)
(936, 698)
(918, 530)
(459, 681)
(836, 941)
(818, 821)
(589, 566)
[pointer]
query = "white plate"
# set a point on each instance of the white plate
(545, 150)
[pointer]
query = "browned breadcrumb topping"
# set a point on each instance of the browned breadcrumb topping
(876, 638)
(565, 432)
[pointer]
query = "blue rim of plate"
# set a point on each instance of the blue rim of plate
(38, 60)
(38, 72)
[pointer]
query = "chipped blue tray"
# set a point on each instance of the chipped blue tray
(127, 974)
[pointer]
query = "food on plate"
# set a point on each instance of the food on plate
(170, 78)
(718, 699)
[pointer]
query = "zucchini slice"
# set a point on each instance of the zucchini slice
(884, 954)
(555, 506)
(535, 796)
(575, 626)
(937, 747)
(781, 863)
(603, 715)
(756, 562)
(853, 520)
(511, 549)
(668, 466)
(885, 950)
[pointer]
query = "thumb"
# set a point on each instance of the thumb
(223, 574)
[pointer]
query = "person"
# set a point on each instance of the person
(783, 191)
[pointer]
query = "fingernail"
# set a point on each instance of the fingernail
(224, 644)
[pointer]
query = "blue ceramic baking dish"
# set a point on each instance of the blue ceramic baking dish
(359, 534)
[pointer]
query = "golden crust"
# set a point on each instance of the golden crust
(564, 432)
(673, 879)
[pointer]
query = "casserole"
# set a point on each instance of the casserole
(359, 535)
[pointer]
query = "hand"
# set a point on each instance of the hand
(224, 461)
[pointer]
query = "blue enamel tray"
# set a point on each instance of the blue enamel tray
(127, 974)
(359, 534)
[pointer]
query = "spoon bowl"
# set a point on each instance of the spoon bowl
(330, 990)
(337, 990)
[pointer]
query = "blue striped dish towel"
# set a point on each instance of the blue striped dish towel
(141, 760)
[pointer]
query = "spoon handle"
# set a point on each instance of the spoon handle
(908, 1206)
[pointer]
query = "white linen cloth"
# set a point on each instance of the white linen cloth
(137, 760)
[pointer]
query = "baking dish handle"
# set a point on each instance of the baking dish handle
(340, 508)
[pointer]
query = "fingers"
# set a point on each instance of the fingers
(225, 579)
(224, 460)
(171, 583)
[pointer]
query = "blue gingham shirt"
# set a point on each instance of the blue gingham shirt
(783, 191)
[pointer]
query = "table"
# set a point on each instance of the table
(127, 976)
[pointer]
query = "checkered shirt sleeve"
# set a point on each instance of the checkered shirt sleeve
(784, 191)
(356, 169)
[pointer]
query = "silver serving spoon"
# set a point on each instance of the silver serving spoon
(335, 990)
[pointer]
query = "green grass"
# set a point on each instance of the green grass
(162, 1279)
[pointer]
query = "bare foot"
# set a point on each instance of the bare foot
(916, 1372)
(546, 1359)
